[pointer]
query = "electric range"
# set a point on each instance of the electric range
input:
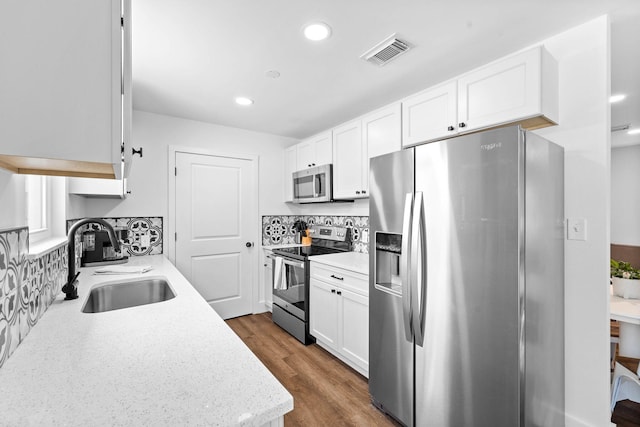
(290, 308)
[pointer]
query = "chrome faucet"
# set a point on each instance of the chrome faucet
(71, 288)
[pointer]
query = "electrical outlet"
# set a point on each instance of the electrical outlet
(576, 229)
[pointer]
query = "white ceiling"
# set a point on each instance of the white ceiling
(191, 58)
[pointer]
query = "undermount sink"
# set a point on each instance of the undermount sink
(127, 293)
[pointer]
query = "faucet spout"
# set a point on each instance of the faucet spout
(71, 288)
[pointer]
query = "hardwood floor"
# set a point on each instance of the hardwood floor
(326, 392)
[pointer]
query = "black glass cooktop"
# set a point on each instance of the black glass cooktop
(302, 252)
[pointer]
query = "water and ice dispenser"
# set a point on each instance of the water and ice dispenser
(388, 251)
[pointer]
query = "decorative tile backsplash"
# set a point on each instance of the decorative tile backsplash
(27, 287)
(278, 229)
(144, 235)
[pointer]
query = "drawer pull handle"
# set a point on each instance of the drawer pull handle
(333, 291)
(336, 277)
(339, 292)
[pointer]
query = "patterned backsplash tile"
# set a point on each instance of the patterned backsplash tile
(27, 287)
(278, 229)
(144, 234)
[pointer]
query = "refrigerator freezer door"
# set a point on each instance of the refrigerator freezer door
(467, 371)
(390, 353)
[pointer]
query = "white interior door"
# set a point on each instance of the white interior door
(215, 209)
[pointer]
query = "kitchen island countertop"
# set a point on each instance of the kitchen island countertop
(174, 362)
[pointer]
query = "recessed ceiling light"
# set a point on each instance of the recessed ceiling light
(274, 74)
(317, 31)
(241, 100)
(634, 131)
(617, 98)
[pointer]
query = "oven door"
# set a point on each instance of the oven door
(290, 288)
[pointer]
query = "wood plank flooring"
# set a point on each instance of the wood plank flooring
(326, 392)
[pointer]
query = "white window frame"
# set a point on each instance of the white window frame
(44, 195)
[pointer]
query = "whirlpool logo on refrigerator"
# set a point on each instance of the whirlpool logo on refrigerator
(493, 146)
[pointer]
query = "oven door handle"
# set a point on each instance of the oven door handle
(293, 263)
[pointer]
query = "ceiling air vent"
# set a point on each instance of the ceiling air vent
(386, 50)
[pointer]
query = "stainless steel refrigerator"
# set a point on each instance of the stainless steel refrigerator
(467, 282)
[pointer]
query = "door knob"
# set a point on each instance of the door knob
(462, 124)
(248, 244)
(450, 128)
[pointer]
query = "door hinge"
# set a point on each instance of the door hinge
(175, 171)
(122, 21)
(176, 236)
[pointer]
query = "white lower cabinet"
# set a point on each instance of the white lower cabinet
(267, 278)
(339, 314)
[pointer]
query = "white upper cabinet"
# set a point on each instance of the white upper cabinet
(381, 134)
(431, 114)
(348, 154)
(522, 88)
(290, 166)
(65, 68)
(98, 188)
(315, 151)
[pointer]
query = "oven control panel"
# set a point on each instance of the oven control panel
(327, 232)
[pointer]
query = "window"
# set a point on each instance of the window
(38, 207)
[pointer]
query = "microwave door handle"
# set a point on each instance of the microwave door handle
(405, 267)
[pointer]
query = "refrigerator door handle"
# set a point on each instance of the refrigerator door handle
(418, 273)
(405, 266)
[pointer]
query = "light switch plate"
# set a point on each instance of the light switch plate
(576, 229)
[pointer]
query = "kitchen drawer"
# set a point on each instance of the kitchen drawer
(345, 279)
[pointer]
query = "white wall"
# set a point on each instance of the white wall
(148, 180)
(13, 208)
(625, 188)
(583, 57)
(12, 200)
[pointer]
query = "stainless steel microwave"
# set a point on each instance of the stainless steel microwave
(313, 185)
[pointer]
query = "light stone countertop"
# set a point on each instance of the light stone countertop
(353, 261)
(170, 363)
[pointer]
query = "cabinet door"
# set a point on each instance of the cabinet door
(430, 115)
(290, 159)
(324, 148)
(127, 94)
(306, 155)
(354, 328)
(267, 277)
(315, 151)
(65, 75)
(501, 92)
(323, 312)
(381, 134)
(347, 161)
